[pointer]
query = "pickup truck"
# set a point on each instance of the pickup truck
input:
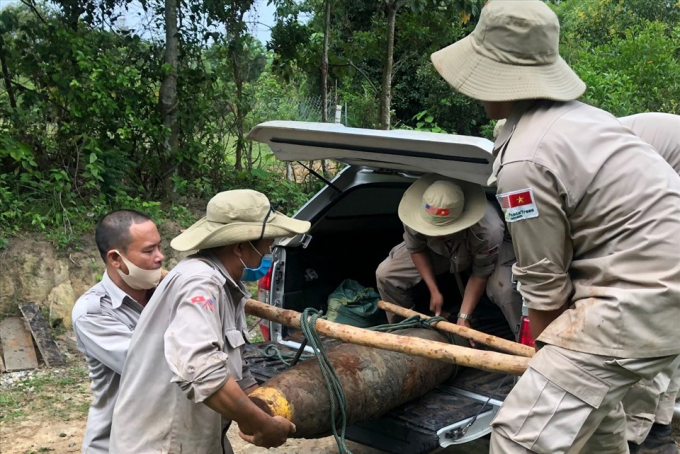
(354, 226)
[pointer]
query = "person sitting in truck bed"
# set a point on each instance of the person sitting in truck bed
(450, 227)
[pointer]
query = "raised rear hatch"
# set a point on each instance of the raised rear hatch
(463, 157)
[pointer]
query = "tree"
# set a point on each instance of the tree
(236, 39)
(392, 7)
(324, 61)
(324, 72)
(168, 100)
(627, 52)
(8, 22)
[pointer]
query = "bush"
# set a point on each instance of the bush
(626, 51)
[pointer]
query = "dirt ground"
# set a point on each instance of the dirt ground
(40, 435)
(45, 411)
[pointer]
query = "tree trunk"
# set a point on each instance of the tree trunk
(168, 96)
(7, 78)
(324, 63)
(249, 156)
(386, 93)
(240, 139)
(324, 72)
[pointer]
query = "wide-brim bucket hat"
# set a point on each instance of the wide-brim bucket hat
(511, 55)
(235, 217)
(438, 206)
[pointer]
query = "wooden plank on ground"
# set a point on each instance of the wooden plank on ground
(41, 333)
(17, 345)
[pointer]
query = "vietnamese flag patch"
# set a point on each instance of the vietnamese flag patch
(205, 304)
(436, 211)
(518, 205)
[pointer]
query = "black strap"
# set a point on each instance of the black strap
(264, 224)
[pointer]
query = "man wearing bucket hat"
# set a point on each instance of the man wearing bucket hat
(649, 404)
(449, 227)
(594, 213)
(184, 372)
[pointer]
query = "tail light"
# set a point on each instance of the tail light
(264, 286)
(525, 336)
(264, 329)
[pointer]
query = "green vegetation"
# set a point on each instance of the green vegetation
(94, 116)
(63, 393)
(627, 52)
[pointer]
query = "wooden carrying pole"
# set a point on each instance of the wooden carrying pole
(463, 356)
(486, 339)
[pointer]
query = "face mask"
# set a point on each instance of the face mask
(139, 279)
(255, 274)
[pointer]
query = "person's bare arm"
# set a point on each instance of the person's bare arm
(255, 425)
(423, 263)
(250, 389)
(474, 289)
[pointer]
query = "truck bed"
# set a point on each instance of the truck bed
(413, 428)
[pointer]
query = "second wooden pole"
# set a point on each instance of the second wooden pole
(468, 357)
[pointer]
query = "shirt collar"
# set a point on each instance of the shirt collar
(116, 294)
(504, 136)
(235, 286)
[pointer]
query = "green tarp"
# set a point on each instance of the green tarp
(353, 304)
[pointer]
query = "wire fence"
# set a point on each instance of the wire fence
(304, 108)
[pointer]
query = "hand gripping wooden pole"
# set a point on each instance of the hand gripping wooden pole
(463, 356)
(495, 342)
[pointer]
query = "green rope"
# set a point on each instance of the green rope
(273, 351)
(412, 322)
(336, 393)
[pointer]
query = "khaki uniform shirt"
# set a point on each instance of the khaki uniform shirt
(103, 320)
(594, 214)
(475, 247)
(661, 130)
(188, 343)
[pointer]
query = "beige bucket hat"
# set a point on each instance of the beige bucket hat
(512, 54)
(235, 217)
(440, 206)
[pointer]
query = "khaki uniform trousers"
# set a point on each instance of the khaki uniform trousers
(397, 275)
(501, 290)
(570, 402)
(650, 401)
